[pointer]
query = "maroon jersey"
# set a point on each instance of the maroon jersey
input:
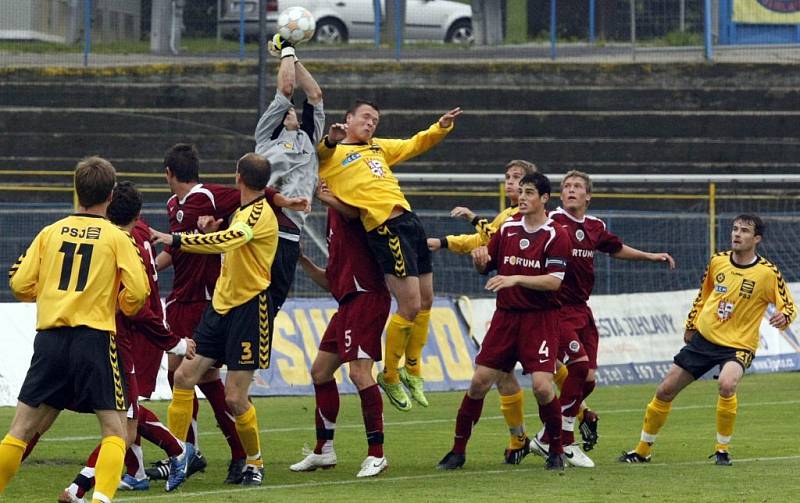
(143, 337)
(516, 249)
(586, 236)
(196, 274)
(351, 266)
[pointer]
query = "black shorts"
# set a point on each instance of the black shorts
(401, 247)
(75, 367)
(242, 338)
(282, 272)
(701, 355)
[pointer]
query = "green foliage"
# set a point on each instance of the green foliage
(764, 450)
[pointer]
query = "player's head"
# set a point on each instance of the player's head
(576, 190)
(290, 120)
(126, 203)
(182, 163)
(252, 171)
(747, 232)
(534, 192)
(515, 170)
(94, 180)
(362, 120)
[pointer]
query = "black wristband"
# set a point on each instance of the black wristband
(443, 242)
(327, 143)
(176, 241)
(476, 220)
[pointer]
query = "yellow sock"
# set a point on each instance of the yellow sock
(179, 412)
(11, 451)
(726, 418)
(397, 335)
(417, 341)
(560, 376)
(579, 417)
(247, 428)
(513, 411)
(110, 461)
(654, 418)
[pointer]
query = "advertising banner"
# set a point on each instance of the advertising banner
(640, 333)
(766, 11)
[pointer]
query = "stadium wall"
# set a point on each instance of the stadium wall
(639, 335)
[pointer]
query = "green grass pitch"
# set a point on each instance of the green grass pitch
(764, 449)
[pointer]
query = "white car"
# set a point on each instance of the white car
(342, 20)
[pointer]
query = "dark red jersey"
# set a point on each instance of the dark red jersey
(586, 236)
(143, 337)
(196, 274)
(515, 249)
(351, 266)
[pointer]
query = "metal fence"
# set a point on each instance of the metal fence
(690, 224)
(107, 32)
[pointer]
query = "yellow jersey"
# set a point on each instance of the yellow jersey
(249, 246)
(465, 243)
(732, 300)
(73, 270)
(361, 175)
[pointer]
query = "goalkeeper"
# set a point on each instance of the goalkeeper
(289, 143)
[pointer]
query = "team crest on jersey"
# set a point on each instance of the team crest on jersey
(376, 168)
(288, 146)
(720, 277)
(179, 216)
(574, 346)
(524, 243)
(350, 158)
(579, 235)
(747, 288)
(724, 310)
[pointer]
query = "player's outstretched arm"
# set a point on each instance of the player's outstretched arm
(307, 83)
(315, 272)
(630, 253)
(397, 151)
(286, 77)
(163, 260)
(325, 195)
(223, 241)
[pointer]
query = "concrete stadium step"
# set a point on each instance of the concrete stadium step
(486, 150)
(402, 123)
(410, 97)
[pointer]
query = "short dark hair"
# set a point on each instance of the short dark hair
(359, 102)
(254, 170)
(183, 160)
(541, 182)
(126, 203)
(94, 180)
(758, 225)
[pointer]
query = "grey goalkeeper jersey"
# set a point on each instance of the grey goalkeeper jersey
(292, 154)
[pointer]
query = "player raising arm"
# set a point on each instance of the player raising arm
(722, 330)
(358, 169)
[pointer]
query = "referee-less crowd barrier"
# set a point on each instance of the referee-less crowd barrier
(639, 334)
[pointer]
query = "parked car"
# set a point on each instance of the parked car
(343, 20)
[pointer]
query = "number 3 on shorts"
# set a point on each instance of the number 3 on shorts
(247, 351)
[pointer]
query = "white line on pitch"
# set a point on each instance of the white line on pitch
(434, 421)
(469, 473)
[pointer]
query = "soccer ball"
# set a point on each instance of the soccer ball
(296, 25)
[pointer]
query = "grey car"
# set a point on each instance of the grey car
(343, 20)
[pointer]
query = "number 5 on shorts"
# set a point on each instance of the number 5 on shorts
(348, 339)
